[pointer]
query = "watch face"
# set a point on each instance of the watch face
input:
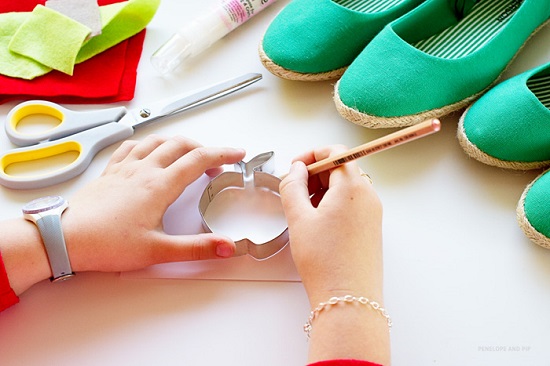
(43, 204)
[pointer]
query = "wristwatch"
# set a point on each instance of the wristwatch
(45, 213)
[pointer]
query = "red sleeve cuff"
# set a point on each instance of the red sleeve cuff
(7, 296)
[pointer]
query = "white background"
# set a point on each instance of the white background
(462, 283)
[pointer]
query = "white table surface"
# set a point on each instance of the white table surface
(462, 283)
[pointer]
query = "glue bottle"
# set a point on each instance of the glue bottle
(206, 29)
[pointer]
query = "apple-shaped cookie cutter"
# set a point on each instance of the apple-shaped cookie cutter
(257, 173)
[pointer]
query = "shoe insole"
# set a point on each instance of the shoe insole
(368, 6)
(540, 86)
(473, 31)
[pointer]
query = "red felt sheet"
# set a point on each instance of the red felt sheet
(105, 78)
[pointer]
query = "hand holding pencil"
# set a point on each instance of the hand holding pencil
(386, 142)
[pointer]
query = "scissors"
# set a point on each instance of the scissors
(87, 133)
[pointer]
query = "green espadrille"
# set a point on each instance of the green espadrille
(436, 59)
(316, 40)
(533, 211)
(509, 127)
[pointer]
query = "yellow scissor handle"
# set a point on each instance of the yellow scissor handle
(38, 153)
(70, 122)
(85, 144)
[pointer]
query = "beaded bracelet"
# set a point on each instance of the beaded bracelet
(346, 300)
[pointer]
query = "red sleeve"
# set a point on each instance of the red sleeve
(344, 363)
(7, 296)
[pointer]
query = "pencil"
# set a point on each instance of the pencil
(383, 143)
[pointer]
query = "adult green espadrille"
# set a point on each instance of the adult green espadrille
(509, 127)
(315, 40)
(435, 60)
(533, 210)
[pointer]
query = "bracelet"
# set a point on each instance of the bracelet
(345, 300)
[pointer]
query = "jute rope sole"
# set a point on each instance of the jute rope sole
(474, 152)
(370, 121)
(528, 229)
(281, 72)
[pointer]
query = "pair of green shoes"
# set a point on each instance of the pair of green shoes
(400, 62)
(509, 127)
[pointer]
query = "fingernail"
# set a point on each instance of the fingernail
(298, 167)
(224, 251)
(241, 150)
(295, 165)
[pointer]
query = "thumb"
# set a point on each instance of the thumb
(195, 247)
(294, 190)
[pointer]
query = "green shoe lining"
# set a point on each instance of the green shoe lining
(484, 21)
(540, 86)
(368, 6)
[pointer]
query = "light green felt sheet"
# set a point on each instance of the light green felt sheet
(50, 38)
(119, 22)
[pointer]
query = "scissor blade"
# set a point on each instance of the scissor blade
(146, 115)
(212, 93)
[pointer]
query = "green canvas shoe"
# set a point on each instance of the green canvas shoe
(435, 60)
(315, 40)
(509, 127)
(533, 211)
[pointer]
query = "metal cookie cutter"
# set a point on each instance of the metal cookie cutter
(255, 173)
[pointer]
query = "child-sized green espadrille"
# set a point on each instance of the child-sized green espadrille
(533, 211)
(509, 127)
(315, 40)
(435, 60)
